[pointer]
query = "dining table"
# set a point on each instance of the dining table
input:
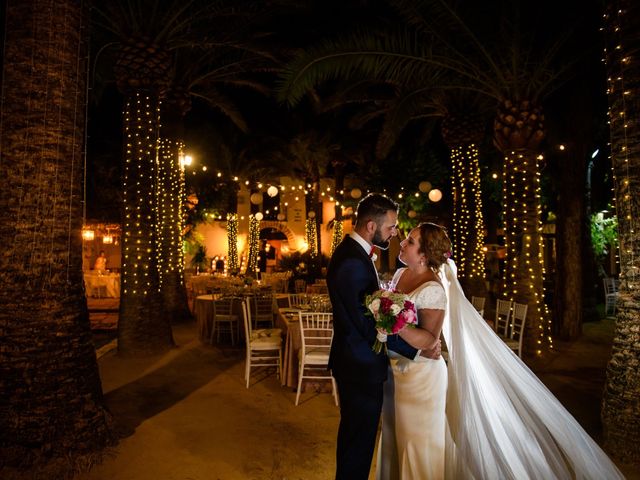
(289, 320)
(99, 284)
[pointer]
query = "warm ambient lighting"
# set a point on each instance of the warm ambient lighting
(88, 235)
(424, 186)
(107, 239)
(272, 191)
(435, 195)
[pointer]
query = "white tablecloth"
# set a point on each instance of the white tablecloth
(107, 285)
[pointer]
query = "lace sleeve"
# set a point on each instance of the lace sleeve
(431, 295)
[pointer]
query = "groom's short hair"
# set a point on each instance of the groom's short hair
(374, 206)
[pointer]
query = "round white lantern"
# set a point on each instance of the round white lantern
(412, 214)
(272, 191)
(281, 217)
(256, 198)
(424, 186)
(311, 214)
(259, 216)
(435, 195)
(356, 193)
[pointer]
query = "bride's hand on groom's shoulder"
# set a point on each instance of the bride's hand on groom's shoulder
(433, 353)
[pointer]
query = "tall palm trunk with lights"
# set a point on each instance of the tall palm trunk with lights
(518, 132)
(338, 232)
(463, 134)
(169, 195)
(142, 327)
(620, 412)
(52, 415)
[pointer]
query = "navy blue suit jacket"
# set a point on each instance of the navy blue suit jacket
(350, 277)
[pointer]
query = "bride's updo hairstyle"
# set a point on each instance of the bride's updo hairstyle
(435, 244)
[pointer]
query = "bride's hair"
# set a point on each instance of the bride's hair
(435, 244)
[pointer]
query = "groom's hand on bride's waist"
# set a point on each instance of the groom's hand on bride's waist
(433, 354)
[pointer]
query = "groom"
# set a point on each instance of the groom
(359, 372)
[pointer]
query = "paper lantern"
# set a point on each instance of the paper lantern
(424, 186)
(256, 198)
(259, 216)
(311, 214)
(356, 193)
(107, 239)
(281, 217)
(88, 235)
(435, 195)
(412, 213)
(272, 191)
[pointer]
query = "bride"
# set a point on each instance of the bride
(485, 415)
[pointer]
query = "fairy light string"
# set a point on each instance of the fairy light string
(524, 261)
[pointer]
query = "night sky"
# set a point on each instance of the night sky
(288, 26)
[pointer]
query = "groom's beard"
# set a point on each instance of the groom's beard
(380, 242)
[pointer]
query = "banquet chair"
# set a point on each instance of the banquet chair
(503, 315)
(478, 304)
(610, 295)
(316, 332)
(94, 288)
(516, 334)
(264, 346)
(300, 286)
(297, 299)
(261, 308)
(224, 319)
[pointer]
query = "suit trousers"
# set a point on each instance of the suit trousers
(360, 407)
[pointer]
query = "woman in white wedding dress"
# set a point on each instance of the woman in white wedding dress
(412, 444)
(483, 416)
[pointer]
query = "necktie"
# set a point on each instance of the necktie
(371, 251)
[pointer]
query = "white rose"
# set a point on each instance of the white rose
(375, 306)
(395, 309)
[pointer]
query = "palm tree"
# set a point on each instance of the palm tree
(517, 81)
(53, 416)
(620, 413)
(422, 98)
(202, 72)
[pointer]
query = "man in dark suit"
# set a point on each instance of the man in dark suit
(359, 372)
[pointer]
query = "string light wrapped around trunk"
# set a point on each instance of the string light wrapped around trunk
(233, 265)
(311, 234)
(337, 235)
(254, 247)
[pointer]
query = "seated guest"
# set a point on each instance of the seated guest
(101, 262)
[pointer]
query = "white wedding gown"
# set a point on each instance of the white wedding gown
(412, 444)
(501, 422)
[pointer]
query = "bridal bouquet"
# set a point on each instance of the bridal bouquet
(392, 311)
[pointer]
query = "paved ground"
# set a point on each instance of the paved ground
(188, 416)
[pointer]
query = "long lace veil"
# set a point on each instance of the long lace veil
(502, 421)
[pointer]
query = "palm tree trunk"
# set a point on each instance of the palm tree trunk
(620, 412)
(518, 132)
(170, 215)
(142, 327)
(568, 304)
(52, 415)
(524, 272)
(463, 131)
(468, 224)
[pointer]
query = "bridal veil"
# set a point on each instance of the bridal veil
(502, 421)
